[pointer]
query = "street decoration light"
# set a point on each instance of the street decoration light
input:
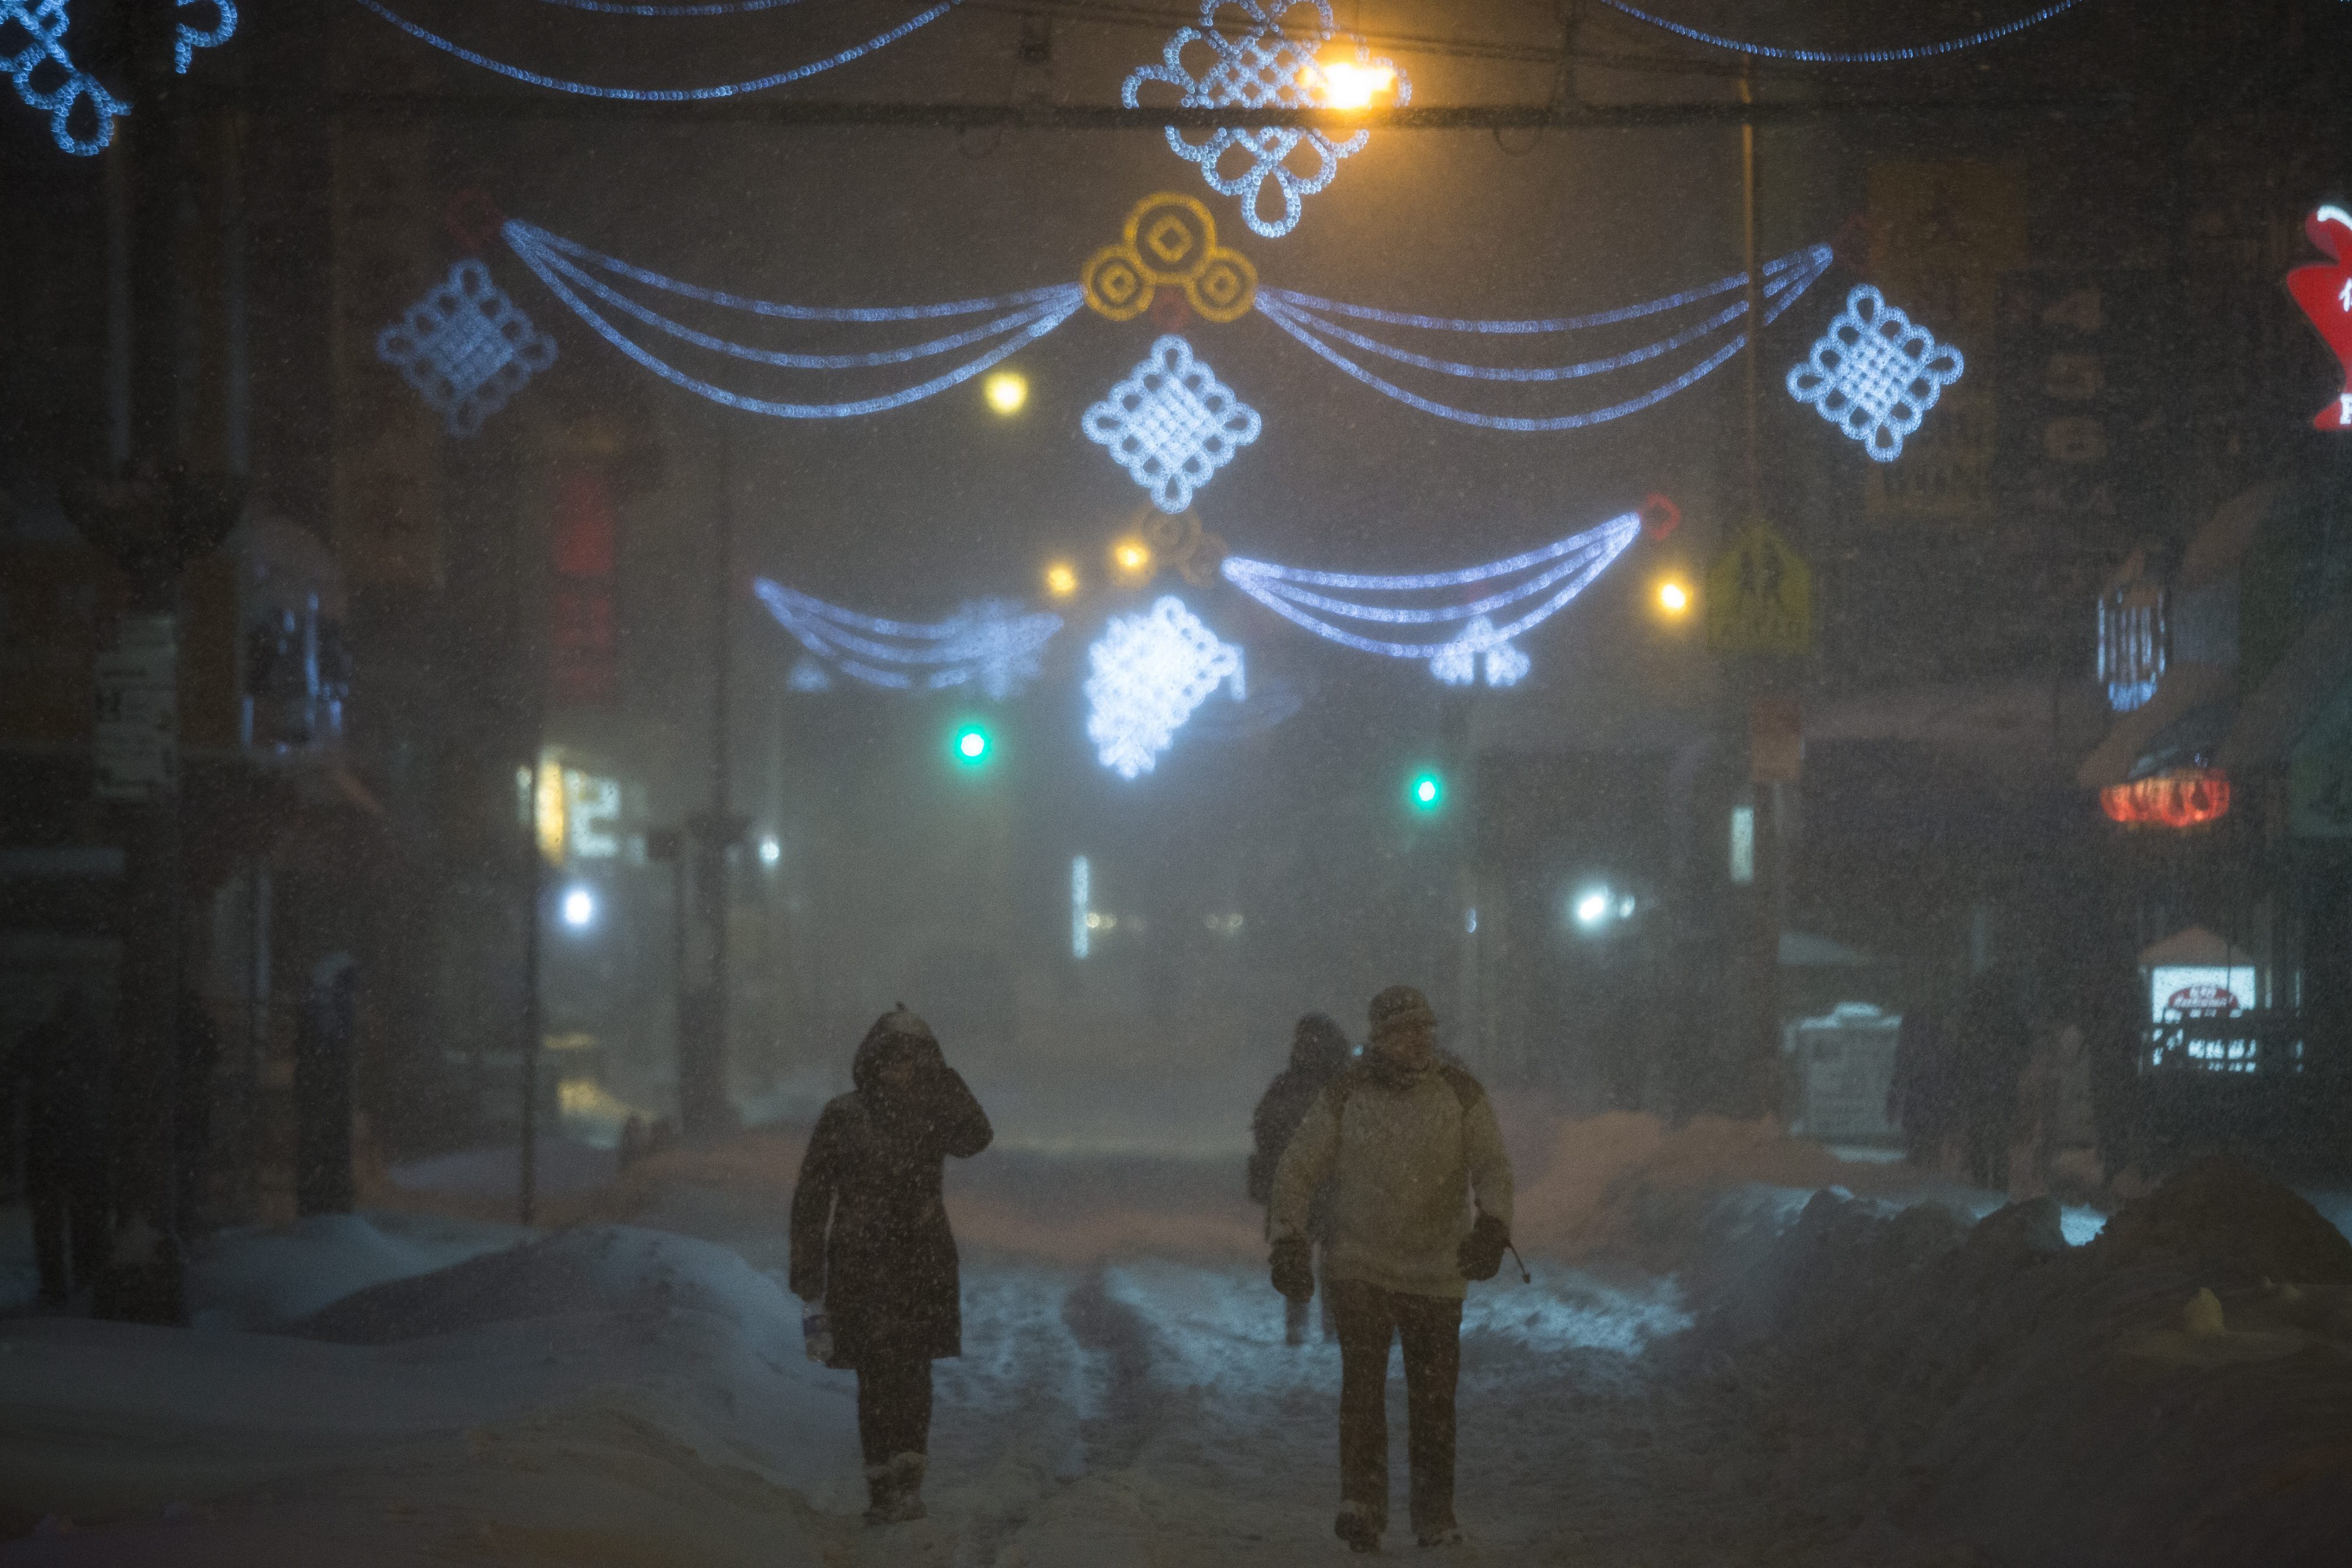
(1149, 671)
(2324, 292)
(1875, 374)
(1006, 391)
(993, 644)
(1878, 57)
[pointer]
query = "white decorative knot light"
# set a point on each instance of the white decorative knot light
(465, 346)
(1150, 671)
(1172, 424)
(1265, 64)
(1875, 374)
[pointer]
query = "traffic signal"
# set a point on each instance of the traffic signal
(971, 744)
(1426, 793)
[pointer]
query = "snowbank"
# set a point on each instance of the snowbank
(2056, 1405)
(261, 1278)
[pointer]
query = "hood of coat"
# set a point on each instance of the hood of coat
(896, 1031)
(1320, 1048)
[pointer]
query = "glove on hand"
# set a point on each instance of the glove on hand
(1480, 1256)
(1294, 1269)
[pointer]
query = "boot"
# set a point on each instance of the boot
(907, 1484)
(1356, 1527)
(881, 1494)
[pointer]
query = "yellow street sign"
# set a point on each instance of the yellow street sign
(1759, 596)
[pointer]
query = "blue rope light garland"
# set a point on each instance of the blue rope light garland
(1788, 277)
(1019, 320)
(991, 642)
(1851, 57)
(717, 8)
(1561, 570)
(663, 94)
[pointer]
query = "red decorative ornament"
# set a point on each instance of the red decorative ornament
(1660, 516)
(2324, 292)
(2177, 797)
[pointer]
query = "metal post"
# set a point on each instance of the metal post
(534, 881)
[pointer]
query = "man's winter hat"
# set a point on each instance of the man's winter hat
(900, 1023)
(1399, 1007)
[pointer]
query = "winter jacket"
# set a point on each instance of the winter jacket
(869, 1229)
(1408, 1151)
(1319, 1052)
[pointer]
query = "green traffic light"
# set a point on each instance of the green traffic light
(1427, 792)
(971, 745)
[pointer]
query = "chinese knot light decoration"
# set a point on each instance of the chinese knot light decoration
(36, 29)
(1264, 65)
(1170, 242)
(2177, 797)
(465, 346)
(1150, 671)
(1171, 425)
(2324, 292)
(1874, 374)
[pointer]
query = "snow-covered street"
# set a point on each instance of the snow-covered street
(631, 1390)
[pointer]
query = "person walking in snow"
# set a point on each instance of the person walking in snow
(872, 1253)
(61, 1066)
(1319, 1050)
(1409, 1140)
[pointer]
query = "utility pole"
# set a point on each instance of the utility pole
(702, 1106)
(153, 518)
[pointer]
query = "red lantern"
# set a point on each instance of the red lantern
(2177, 797)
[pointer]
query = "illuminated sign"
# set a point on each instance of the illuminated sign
(2176, 798)
(2324, 292)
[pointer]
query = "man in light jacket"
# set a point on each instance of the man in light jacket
(1410, 1141)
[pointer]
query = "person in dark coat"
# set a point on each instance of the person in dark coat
(871, 1249)
(1921, 1099)
(1319, 1050)
(1991, 1043)
(61, 1067)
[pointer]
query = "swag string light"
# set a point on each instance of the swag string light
(40, 57)
(456, 50)
(1892, 55)
(1459, 608)
(994, 644)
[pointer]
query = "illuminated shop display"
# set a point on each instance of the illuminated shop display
(1150, 671)
(1530, 589)
(993, 644)
(2131, 641)
(2176, 798)
(39, 28)
(1256, 59)
(1171, 425)
(465, 346)
(1697, 319)
(1891, 56)
(1874, 374)
(2324, 292)
(671, 94)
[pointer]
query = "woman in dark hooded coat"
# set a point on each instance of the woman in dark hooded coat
(1319, 1050)
(871, 1243)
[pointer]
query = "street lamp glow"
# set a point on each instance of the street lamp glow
(1592, 908)
(1349, 84)
(579, 908)
(1061, 579)
(1133, 559)
(1006, 392)
(771, 852)
(1672, 597)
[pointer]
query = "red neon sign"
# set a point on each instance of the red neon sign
(2177, 797)
(2324, 292)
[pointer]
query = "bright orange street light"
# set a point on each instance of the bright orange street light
(1673, 598)
(1351, 84)
(1061, 579)
(1133, 559)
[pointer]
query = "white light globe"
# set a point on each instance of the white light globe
(579, 908)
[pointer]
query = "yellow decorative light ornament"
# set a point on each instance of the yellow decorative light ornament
(1170, 241)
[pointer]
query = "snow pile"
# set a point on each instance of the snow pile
(2047, 1404)
(1624, 1184)
(261, 1278)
